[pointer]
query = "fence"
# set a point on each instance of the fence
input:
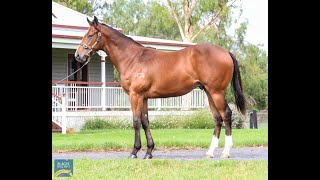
(114, 98)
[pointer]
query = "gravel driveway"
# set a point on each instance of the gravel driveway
(247, 153)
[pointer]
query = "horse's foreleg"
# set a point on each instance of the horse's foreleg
(145, 125)
(136, 105)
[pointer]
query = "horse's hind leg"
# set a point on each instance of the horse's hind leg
(145, 125)
(228, 139)
(226, 113)
(217, 126)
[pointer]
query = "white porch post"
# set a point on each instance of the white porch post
(64, 118)
(103, 78)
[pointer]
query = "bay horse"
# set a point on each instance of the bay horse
(151, 73)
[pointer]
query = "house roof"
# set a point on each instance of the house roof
(69, 26)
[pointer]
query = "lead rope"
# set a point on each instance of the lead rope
(74, 72)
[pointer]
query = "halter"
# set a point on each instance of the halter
(94, 44)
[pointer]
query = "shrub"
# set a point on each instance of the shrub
(167, 122)
(110, 123)
(237, 118)
(201, 119)
(94, 124)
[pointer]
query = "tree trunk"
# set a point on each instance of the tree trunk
(188, 38)
(188, 8)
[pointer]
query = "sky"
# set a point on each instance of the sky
(256, 11)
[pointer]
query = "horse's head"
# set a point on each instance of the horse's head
(90, 42)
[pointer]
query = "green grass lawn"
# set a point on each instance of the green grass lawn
(109, 139)
(169, 169)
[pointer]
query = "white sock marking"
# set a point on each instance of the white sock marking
(227, 145)
(213, 145)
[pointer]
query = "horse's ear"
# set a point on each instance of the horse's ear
(90, 23)
(95, 21)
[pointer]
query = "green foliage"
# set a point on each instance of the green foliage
(167, 122)
(157, 24)
(254, 72)
(201, 119)
(109, 123)
(94, 124)
(125, 14)
(142, 19)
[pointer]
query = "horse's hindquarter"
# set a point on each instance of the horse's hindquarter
(213, 64)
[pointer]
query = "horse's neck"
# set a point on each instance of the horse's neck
(119, 50)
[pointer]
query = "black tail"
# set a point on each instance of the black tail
(237, 86)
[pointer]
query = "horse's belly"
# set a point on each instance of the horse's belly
(171, 90)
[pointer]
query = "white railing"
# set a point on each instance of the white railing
(79, 97)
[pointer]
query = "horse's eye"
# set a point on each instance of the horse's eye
(90, 36)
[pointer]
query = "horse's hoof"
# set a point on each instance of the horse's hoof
(133, 156)
(148, 156)
(225, 156)
(209, 156)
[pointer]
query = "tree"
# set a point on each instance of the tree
(197, 16)
(142, 19)
(157, 23)
(125, 14)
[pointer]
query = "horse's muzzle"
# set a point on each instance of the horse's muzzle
(81, 59)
